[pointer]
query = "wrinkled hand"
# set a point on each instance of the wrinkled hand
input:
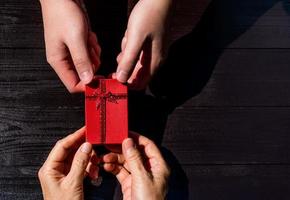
(141, 169)
(62, 174)
(71, 48)
(143, 43)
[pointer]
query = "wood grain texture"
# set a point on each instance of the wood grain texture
(238, 182)
(225, 129)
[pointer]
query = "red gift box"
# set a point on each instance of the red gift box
(106, 112)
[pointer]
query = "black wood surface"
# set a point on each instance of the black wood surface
(221, 105)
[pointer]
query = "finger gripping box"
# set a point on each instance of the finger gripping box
(106, 112)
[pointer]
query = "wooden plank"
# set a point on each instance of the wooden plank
(232, 77)
(13, 56)
(238, 182)
(27, 135)
(228, 135)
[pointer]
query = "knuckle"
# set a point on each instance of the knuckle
(119, 57)
(59, 143)
(167, 171)
(69, 183)
(158, 61)
(135, 155)
(80, 62)
(95, 36)
(126, 190)
(75, 35)
(70, 89)
(44, 172)
(40, 173)
(81, 162)
(166, 174)
(51, 60)
(125, 71)
(99, 49)
(129, 59)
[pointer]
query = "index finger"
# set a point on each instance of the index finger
(63, 147)
(67, 74)
(114, 163)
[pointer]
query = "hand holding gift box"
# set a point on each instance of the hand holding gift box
(62, 174)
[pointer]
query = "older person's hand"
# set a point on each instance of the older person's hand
(141, 169)
(62, 174)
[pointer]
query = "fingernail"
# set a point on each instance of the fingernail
(86, 77)
(122, 76)
(129, 146)
(86, 148)
(114, 76)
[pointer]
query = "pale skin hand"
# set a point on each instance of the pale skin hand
(71, 48)
(143, 43)
(142, 174)
(62, 174)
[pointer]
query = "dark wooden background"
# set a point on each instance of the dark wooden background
(220, 106)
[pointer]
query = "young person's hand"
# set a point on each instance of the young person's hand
(143, 43)
(62, 174)
(71, 48)
(141, 169)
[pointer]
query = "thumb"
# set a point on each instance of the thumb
(79, 163)
(133, 158)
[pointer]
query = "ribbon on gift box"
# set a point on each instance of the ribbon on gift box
(101, 99)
